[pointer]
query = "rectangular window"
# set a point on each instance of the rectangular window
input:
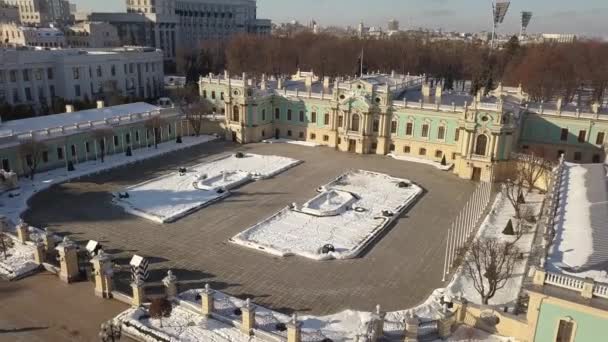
(326, 138)
(564, 134)
(393, 127)
(73, 150)
(13, 76)
(578, 156)
(441, 133)
(28, 160)
(28, 94)
(221, 95)
(26, 75)
(376, 125)
(87, 147)
(137, 136)
(213, 95)
(263, 114)
(77, 90)
(313, 117)
(59, 153)
(340, 121)
(374, 146)
(75, 73)
(301, 135)
(277, 113)
(326, 120)
(391, 147)
(116, 140)
(301, 116)
(49, 73)
(457, 134)
(565, 329)
(313, 136)
(438, 154)
(99, 71)
(289, 115)
(582, 136)
(6, 165)
(406, 149)
(425, 131)
(599, 140)
(45, 156)
(409, 128)
(422, 152)
(454, 156)
(128, 137)
(289, 133)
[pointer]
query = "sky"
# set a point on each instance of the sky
(583, 17)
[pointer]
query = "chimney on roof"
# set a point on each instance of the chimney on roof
(595, 107)
(69, 108)
(326, 82)
(426, 89)
(438, 92)
(100, 104)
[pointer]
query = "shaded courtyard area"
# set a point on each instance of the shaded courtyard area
(398, 271)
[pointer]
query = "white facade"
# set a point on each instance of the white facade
(14, 35)
(92, 35)
(185, 23)
(9, 13)
(34, 77)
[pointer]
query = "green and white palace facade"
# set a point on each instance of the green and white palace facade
(409, 116)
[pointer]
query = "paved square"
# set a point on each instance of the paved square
(397, 272)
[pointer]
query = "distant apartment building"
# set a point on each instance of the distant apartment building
(44, 12)
(37, 76)
(14, 35)
(558, 38)
(9, 13)
(174, 24)
(92, 35)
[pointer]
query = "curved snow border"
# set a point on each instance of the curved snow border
(421, 161)
(372, 236)
(130, 208)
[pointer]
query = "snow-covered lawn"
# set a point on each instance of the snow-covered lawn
(412, 159)
(290, 141)
(492, 227)
(580, 223)
(19, 261)
(348, 214)
(170, 197)
(182, 325)
(13, 207)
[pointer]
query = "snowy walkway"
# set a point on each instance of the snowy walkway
(290, 141)
(347, 218)
(170, 197)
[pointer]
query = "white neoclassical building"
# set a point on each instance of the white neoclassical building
(36, 76)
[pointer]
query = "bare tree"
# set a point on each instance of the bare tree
(6, 242)
(32, 150)
(155, 123)
(531, 168)
(159, 308)
(514, 192)
(489, 263)
(195, 113)
(101, 135)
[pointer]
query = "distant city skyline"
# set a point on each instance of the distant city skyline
(585, 17)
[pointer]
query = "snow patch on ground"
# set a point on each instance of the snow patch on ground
(289, 141)
(182, 325)
(469, 334)
(421, 161)
(170, 197)
(19, 261)
(336, 220)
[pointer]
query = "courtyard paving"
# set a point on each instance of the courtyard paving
(397, 272)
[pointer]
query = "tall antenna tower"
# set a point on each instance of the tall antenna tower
(499, 11)
(525, 21)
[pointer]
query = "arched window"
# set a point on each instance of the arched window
(235, 113)
(481, 145)
(354, 125)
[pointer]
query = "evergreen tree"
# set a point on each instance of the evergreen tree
(509, 229)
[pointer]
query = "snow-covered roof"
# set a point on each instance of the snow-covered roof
(69, 119)
(582, 223)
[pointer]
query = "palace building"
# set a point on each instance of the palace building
(404, 115)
